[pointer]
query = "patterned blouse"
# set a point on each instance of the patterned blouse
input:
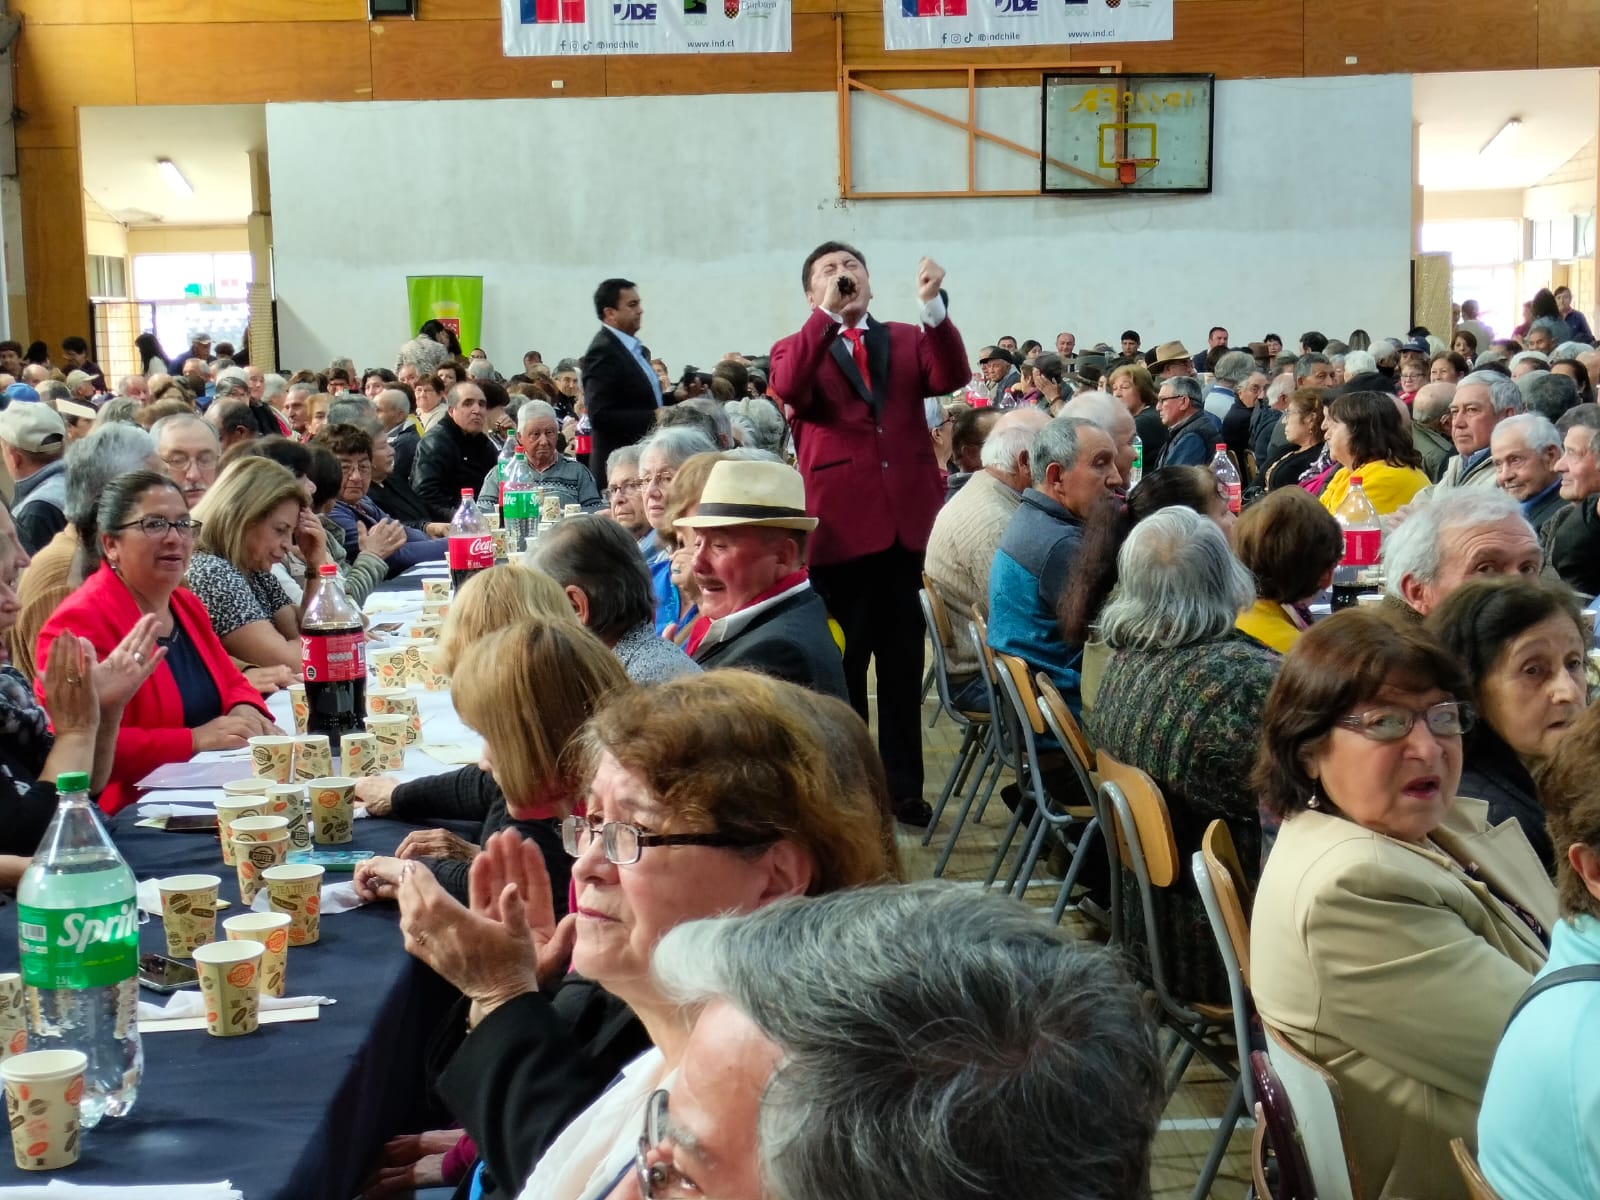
(232, 597)
(26, 805)
(1190, 719)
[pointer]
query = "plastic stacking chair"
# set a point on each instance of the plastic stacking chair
(1277, 1131)
(1317, 1119)
(998, 754)
(1238, 994)
(1232, 892)
(1134, 809)
(976, 727)
(1075, 823)
(1478, 1187)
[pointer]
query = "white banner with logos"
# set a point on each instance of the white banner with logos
(545, 27)
(965, 24)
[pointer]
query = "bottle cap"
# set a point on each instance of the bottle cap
(1355, 479)
(72, 781)
(466, 493)
(327, 569)
(1222, 447)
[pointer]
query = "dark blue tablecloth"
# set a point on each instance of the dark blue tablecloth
(296, 1111)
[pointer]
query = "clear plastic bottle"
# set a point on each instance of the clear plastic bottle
(333, 656)
(519, 501)
(1363, 544)
(1227, 477)
(78, 932)
(470, 548)
(502, 470)
(1136, 472)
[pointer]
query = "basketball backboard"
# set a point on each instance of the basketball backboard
(1105, 134)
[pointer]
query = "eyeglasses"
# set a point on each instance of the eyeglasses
(624, 843)
(657, 1181)
(182, 462)
(155, 527)
(356, 468)
(1392, 722)
(623, 489)
(661, 479)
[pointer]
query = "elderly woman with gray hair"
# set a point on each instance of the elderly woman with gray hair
(1181, 700)
(538, 433)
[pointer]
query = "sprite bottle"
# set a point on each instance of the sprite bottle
(78, 925)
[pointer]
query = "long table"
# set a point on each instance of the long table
(297, 1110)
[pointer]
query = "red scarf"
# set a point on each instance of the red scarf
(702, 625)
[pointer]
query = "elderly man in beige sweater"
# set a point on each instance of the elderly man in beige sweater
(967, 533)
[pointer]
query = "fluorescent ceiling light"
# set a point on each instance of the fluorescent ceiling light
(174, 177)
(1503, 139)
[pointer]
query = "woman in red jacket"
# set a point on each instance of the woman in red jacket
(196, 699)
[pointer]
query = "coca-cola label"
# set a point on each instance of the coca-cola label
(334, 657)
(1230, 492)
(1361, 547)
(471, 553)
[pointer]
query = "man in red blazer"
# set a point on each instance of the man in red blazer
(854, 387)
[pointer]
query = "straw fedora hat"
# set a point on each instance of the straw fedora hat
(752, 493)
(1170, 352)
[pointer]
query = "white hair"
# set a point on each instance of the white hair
(532, 410)
(1569, 352)
(1359, 362)
(1533, 356)
(1504, 394)
(1177, 584)
(1416, 547)
(1538, 432)
(1010, 438)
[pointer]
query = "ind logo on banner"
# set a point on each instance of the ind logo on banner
(552, 12)
(1022, 22)
(933, 8)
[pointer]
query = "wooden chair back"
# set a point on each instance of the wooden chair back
(1150, 817)
(1023, 682)
(1231, 889)
(1071, 732)
(1478, 1187)
(941, 614)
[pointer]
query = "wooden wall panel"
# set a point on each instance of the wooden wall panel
(458, 10)
(809, 68)
(205, 12)
(1234, 39)
(1431, 37)
(1569, 33)
(462, 60)
(253, 63)
(53, 251)
(1337, 29)
(71, 12)
(49, 92)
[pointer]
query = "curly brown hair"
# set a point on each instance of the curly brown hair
(755, 757)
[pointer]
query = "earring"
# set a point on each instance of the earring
(1315, 802)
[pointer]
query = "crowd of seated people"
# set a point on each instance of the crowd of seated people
(678, 915)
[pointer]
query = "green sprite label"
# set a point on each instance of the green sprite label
(78, 948)
(520, 505)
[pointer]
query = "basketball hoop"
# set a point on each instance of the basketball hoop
(1128, 168)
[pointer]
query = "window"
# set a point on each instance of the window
(108, 277)
(192, 276)
(1483, 265)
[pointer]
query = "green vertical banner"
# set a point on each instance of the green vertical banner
(453, 300)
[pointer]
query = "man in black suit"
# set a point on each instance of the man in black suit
(758, 609)
(456, 454)
(619, 384)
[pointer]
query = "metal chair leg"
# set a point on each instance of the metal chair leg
(987, 765)
(1005, 845)
(956, 780)
(1219, 1144)
(1075, 868)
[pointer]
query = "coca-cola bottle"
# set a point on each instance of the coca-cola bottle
(471, 549)
(333, 650)
(1363, 547)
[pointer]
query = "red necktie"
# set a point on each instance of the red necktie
(858, 349)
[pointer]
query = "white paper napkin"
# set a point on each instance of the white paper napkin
(57, 1189)
(336, 898)
(192, 1004)
(150, 811)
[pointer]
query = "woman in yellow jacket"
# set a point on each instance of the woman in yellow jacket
(1367, 438)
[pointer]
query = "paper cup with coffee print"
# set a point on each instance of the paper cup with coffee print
(389, 730)
(425, 630)
(271, 929)
(188, 912)
(43, 1089)
(230, 984)
(296, 889)
(313, 757)
(436, 589)
(299, 706)
(435, 610)
(269, 757)
(233, 805)
(396, 701)
(289, 800)
(389, 665)
(332, 809)
(258, 843)
(13, 1016)
(358, 754)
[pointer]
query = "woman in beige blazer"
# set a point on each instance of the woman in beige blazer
(1393, 928)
